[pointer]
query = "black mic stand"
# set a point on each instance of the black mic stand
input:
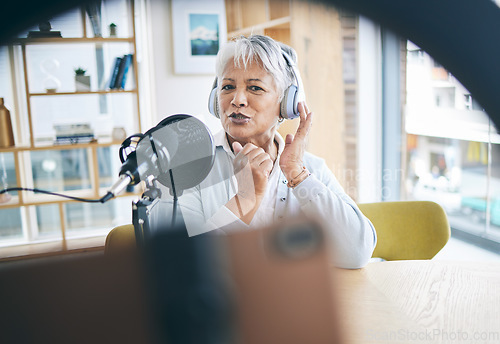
(142, 208)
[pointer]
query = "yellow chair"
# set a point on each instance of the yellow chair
(119, 239)
(405, 230)
(408, 229)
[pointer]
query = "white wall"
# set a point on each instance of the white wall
(171, 93)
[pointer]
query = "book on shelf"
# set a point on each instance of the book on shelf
(74, 139)
(120, 71)
(73, 133)
(114, 72)
(122, 75)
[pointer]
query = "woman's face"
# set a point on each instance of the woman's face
(248, 104)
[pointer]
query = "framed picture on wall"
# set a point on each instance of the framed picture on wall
(199, 29)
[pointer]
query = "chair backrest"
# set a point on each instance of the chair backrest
(405, 230)
(408, 229)
(120, 238)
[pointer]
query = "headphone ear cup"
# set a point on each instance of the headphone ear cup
(216, 108)
(213, 104)
(289, 103)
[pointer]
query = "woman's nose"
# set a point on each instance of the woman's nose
(239, 99)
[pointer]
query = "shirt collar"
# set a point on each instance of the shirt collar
(220, 140)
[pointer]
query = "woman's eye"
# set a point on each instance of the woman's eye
(227, 87)
(256, 88)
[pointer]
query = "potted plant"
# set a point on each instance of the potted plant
(112, 30)
(82, 81)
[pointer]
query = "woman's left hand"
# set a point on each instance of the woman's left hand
(291, 160)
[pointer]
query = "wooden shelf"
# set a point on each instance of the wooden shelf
(279, 23)
(52, 146)
(62, 40)
(81, 92)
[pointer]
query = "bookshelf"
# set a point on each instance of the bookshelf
(87, 169)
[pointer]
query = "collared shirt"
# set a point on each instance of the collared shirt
(319, 197)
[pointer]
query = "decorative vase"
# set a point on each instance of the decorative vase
(6, 132)
(82, 82)
(119, 134)
(49, 67)
(112, 31)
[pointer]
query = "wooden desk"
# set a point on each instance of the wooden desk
(421, 301)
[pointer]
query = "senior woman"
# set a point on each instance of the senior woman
(274, 177)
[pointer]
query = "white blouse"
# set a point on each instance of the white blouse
(319, 197)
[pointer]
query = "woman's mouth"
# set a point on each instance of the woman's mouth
(238, 118)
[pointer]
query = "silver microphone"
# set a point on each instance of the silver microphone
(121, 184)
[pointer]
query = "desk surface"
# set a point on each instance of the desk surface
(421, 301)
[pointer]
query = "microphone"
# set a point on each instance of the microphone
(180, 147)
(136, 169)
(118, 187)
(128, 175)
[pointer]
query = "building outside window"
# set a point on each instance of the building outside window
(452, 149)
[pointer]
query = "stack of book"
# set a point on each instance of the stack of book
(120, 71)
(73, 133)
(44, 34)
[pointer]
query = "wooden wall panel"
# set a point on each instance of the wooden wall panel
(315, 32)
(282, 35)
(279, 8)
(254, 12)
(234, 19)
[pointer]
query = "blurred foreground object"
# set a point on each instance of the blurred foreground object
(262, 286)
(74, 300)
(283, 283)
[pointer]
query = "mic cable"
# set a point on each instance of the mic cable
(35, 190)
(127, 144)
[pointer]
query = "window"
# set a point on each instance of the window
(452, 150)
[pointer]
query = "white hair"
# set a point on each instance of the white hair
(242, 51)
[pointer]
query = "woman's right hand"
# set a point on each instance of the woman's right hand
(252, 167)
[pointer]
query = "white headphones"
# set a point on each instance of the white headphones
(291, 97)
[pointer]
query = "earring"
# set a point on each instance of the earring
(280, 120)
